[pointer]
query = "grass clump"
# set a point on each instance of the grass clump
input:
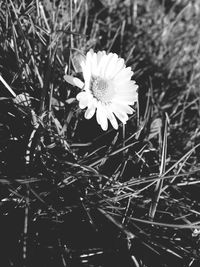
(71, 194)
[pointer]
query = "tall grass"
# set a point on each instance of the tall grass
(72, 195)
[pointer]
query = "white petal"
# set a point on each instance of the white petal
(92, 105)
(101, 117)
(122, 116)
(90, 52)
(87, 74)
(111, 66)
(78, 83)
(112, 118)
(129, 95)
(122, 79)
(90, 112)
(123, 107)
(103, 64)
(89, 56)
(81, 95)
(94, 68)
(83, 99)
(125, 72)
(125, 99)
(74, 81)
(126, 86)
(118, 67)
(100, 54)
(83, 104)
(106, 64)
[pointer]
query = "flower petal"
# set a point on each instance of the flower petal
(128, 99)
(100, 54)
(126, 86)
(124, 74)
(90, 112)
(101, 117)
(94, 65)
(105, 67)
(103, 63)
(74, 81)
(121, 115)
(123, 106)
(92, 104)
(111, 66)
(119, 66)
(83, 99)
(112, 118)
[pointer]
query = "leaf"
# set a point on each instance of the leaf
(76, 58)
(155, 128)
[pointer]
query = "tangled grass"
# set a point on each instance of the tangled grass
(72, 195)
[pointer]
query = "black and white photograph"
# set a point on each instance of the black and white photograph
(99, 133)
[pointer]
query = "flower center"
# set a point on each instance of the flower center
(101, 90)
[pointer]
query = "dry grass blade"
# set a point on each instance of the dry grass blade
(124, 230)
(159, 184)
(26, 220)
(194, 225)
(7, 86)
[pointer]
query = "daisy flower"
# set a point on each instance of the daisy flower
(107, 88)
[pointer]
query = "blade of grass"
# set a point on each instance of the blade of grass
(26, 219)
(159, 183)
(195, 225)
(7, 86)
(118, 224)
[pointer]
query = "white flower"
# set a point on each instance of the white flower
(107, 88)
(23, 99)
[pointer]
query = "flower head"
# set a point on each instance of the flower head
(107, 89)
(23, 99)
